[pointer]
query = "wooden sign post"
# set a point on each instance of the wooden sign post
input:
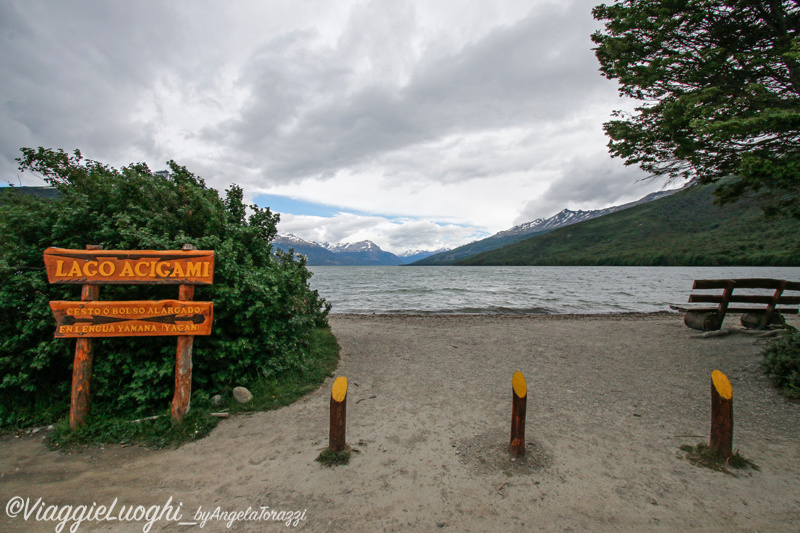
(721, 441)
(336, 440)
(82, 366)
(518, 407)
(90, 318)
(183, 361)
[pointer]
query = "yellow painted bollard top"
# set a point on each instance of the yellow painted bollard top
(339, 389)
(518, 382)
(722, 384)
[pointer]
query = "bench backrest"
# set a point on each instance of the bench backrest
(748, 283)
(728, 285)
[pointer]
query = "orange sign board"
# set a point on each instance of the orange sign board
(147, 318)
(93, 267)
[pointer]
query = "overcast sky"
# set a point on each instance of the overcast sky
(415, 124)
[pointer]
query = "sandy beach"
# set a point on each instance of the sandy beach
(610, 401)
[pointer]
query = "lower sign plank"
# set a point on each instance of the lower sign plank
(147, 318)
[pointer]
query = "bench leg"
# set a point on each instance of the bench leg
(753, 320)
(703, 320)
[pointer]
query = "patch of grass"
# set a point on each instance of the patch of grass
(104, 427)
(701, 455)
(157, 432)
(45, 410)
(330, 458)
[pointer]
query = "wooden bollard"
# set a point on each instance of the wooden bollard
(80, 401)
(336, 442)
(721, 441)
(518, 407)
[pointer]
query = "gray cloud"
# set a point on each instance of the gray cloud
(331, 229)
(390, 234)
(311, 113)
(590, 183)
(423, 234)
(399, 107)
(72, 75)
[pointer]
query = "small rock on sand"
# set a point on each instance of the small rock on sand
(242, 395)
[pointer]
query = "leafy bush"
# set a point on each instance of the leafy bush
(782, 363)
(264, 309)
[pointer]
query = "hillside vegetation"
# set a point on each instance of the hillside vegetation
(451, 257)
(684, 229)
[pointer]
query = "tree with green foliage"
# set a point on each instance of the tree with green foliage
(719, 82)
(264, 309)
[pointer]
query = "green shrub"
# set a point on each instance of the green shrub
(782, 363)
(264, 310)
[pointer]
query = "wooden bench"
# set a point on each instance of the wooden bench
(761, 311)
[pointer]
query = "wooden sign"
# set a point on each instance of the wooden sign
(148, 318)
(94, 267)
(90, 318)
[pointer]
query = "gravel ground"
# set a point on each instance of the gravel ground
(611, 398)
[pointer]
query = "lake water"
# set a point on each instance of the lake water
(519, 290)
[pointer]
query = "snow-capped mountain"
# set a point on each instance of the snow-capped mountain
(352, 254)
(564, 218)
(347, 247)
(411, 253)
(567, 217)
(291, 238)
(315, 254)
(529, 229)
(409, 256)
(369, 253)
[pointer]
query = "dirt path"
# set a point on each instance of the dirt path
(611, 400)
